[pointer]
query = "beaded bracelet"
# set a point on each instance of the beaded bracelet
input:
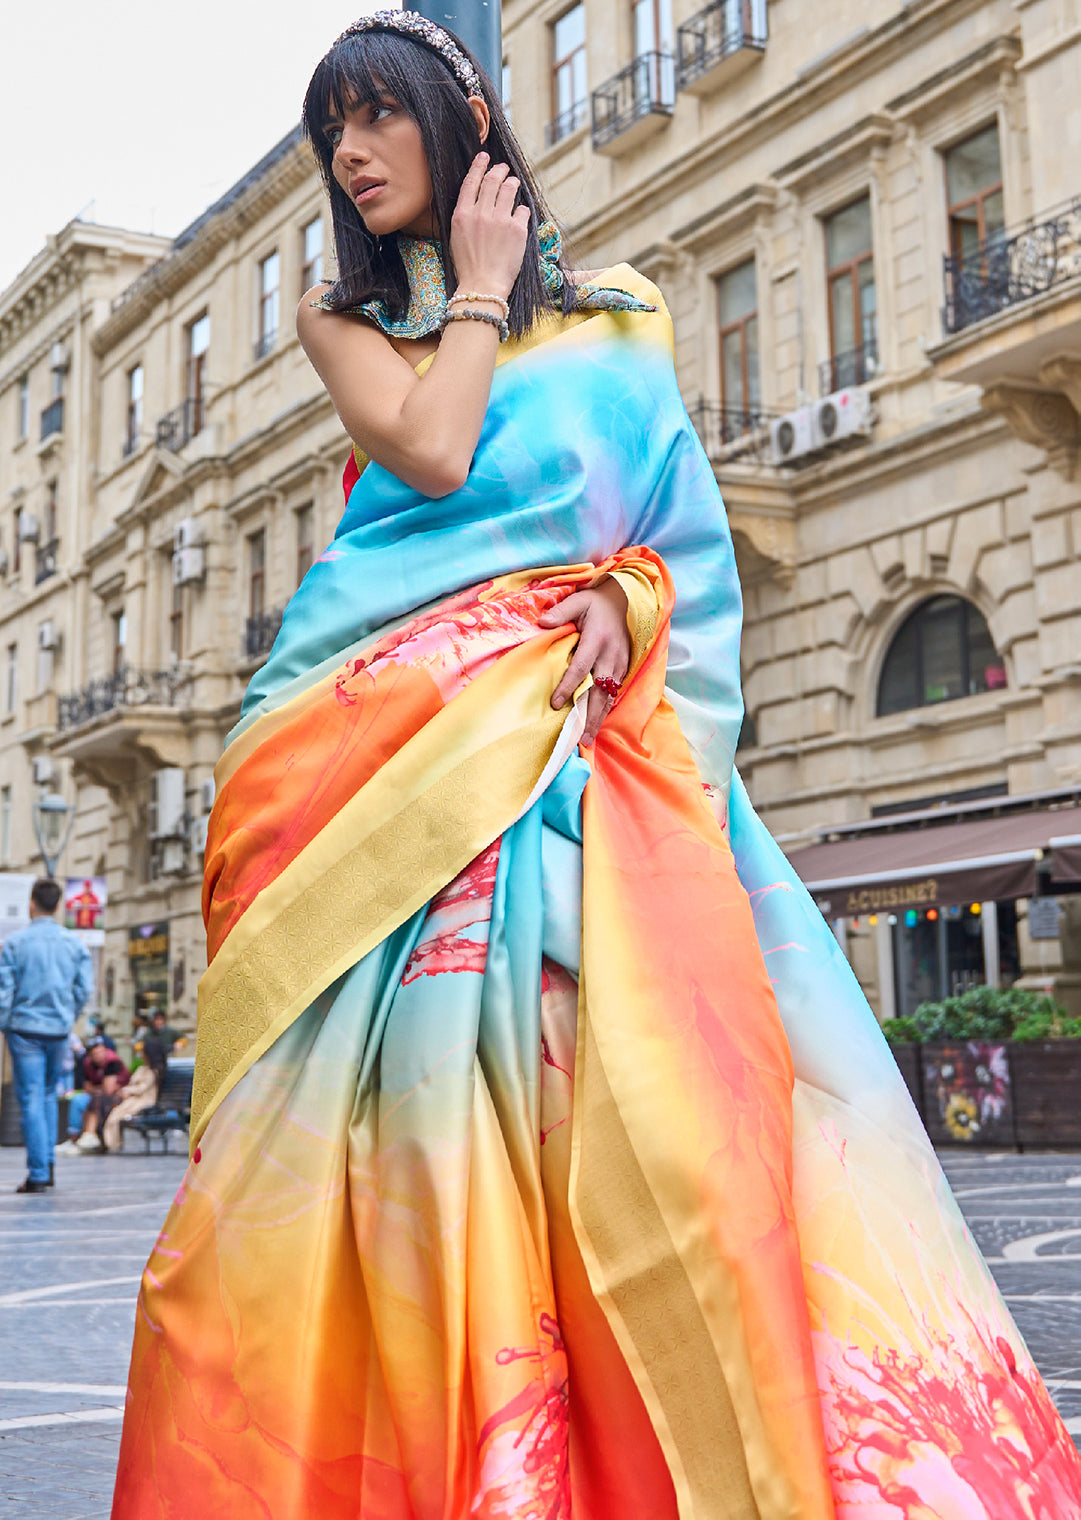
(467, 313)
(473, 295)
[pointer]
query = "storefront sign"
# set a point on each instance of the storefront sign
(85, 898)
(984, 883)
(148, 956)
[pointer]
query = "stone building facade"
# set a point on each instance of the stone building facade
(861, 222)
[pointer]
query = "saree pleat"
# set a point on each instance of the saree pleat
(547, 1159)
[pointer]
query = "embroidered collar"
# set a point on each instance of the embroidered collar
(428, 298)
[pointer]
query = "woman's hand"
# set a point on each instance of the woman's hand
(603, 649)
(487, 231)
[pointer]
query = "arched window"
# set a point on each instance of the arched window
(941, 651)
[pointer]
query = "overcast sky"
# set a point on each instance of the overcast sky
(141, 114)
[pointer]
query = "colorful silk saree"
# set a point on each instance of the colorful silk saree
(547, 1159)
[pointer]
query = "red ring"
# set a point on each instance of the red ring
(609, 685)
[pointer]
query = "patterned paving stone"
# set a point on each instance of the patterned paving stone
(70, 1264)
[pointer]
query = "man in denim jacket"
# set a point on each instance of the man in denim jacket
(45, 980)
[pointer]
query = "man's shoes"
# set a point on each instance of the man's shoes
(52, 1176)
(88, 1144)
(69, 1148)
(30, 1186)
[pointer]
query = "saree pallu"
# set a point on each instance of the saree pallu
(547, 1159)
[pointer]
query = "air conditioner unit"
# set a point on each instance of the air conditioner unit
(48, 635)
(184, 534)
(167, 803)
(173, 858)
(43, 771)
(59, 358)
(844, 414)
(207, 793)
(188, 565)
(197, 835)
(29, 528)
(792, 436)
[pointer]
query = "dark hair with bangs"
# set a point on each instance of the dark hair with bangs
(359, 70)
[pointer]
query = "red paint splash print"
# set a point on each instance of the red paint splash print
(525, 1465)
(463, 904)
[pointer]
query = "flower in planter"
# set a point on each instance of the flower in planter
(961, 1117)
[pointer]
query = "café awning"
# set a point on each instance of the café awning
(891, 867)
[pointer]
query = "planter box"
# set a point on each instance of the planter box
(968, 1094)
(1047, 1093)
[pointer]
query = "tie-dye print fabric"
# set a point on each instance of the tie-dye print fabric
(548, 1159)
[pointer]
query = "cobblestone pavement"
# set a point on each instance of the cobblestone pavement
(70, 1264)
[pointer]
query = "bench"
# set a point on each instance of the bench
(172, 1109)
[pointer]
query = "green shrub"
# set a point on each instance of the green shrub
(986, 1013)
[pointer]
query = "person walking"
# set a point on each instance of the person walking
(46, 980)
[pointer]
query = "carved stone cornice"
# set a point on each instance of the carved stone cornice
(1044, 418)
(1063, 374)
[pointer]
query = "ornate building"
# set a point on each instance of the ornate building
(861, 221)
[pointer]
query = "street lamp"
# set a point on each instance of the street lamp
(53, 820)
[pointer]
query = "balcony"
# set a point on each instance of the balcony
(855, 367)
(120, 723)
(125, 688)
(52, 419)
(46, 560)
(729, 432)
(634, 104)
(1009, 269)
(719, 43)
(260, 632)
(180, 425)
(566, 123)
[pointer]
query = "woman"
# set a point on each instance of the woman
(547, 1157)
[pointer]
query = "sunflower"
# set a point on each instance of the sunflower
(961, 1117)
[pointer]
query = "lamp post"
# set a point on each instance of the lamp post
(477, 23)
(53, 821)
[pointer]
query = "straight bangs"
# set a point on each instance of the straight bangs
(362, 69)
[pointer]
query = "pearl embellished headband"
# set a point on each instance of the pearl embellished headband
(411, 24)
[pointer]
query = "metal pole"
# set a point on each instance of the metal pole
(989, 929)
(478, 23)
(887, 997)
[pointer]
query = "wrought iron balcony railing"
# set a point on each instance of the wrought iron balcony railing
(854, 367)
(566, 122)
(260, 632)
(52, 418)
(1012, 267)
(46, 559)
(714, 34)
(731, 431)
(266, 343)
(646, 87)
(180, 425)
(124, 688)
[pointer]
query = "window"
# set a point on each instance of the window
(23, 414)
(652, 26)
(569, 90)
(974, 192)
(51, 511)
(942, 651)
(5, 825)
(176, 624)
(120, 640)
(198, 341)
(312, 264)
(853, 313)
(134, 422)
(257, 573)
(269, 272)
(11, 679)
(17, 545)
(737, 313)
(305, 545)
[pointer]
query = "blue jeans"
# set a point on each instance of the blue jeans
(78, 1104)
(39, 1062)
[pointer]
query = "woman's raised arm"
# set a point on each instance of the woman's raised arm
(424, 429)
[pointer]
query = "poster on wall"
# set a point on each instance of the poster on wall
(148, 957)
(14, 902)
(85, 899)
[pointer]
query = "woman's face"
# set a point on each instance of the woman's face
(380, 163)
